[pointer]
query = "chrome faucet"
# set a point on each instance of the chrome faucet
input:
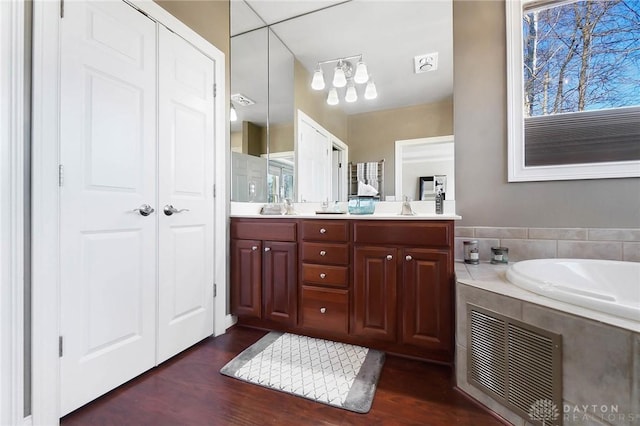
(406, 207)
(288, 207)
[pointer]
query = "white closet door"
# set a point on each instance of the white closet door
(313, 162)
(108, 154)
(186, 177)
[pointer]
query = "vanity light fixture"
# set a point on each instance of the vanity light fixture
(318, 79)
(351, 95)
(340, 73)
(362, 75)
(332, 98)
(344, 74)
(370, 91)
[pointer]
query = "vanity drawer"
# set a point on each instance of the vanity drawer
(325, 230)
(325, 253)
(424, 233)
(325, 309)
(263, 229)
(333, 276)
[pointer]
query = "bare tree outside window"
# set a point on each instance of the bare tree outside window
(582, 56)
(573, 86)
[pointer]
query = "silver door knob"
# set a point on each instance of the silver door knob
(267, 249)
(323, 310)
(408, 257)
(323, 253)
(323, 275)
(169, 210)
(389, 257)
(254, 248)
(322, 230)
(144, 210)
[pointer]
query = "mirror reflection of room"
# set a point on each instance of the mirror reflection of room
(308, 139)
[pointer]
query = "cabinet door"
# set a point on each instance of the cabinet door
(374, 286)
(280, 281)
(246, 278)
(427, 299)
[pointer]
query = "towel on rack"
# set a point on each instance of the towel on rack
(366, 189)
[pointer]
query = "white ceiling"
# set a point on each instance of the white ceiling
(388, 33)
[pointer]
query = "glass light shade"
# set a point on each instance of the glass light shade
(332, 98)
(351, 95)
(339, 79)
(370, 91)
(318, 80)
(233, 115)
(361, 75)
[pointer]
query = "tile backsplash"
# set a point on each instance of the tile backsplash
(538, 243)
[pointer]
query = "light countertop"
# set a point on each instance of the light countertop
(387, 210)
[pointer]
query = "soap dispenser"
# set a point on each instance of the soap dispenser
(406, 207)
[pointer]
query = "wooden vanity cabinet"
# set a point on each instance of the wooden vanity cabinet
(427, 299)
(375, 292)
(324, 278)
(264, 272)
(385, 284)
(403, 286)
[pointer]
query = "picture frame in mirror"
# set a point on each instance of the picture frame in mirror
(432, 185)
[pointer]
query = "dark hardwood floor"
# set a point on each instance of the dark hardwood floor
(189, 390)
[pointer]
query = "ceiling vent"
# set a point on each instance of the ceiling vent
(425, 63)
(242, 100)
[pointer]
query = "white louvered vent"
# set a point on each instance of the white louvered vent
(517, 364)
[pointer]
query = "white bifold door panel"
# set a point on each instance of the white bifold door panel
(136, 197)
(186, 177)
(313, 161)
(108, 154)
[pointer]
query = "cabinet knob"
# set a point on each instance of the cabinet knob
(323, 275)
(254, 248)
(323, 310)
(323, 253)
(409, 257)
(323, 231)
(267, 249)
(389, 257)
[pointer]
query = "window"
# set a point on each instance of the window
(574, 89)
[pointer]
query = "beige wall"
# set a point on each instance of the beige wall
(483, 195)
(313, 103)
(281, 137)
(372, 135)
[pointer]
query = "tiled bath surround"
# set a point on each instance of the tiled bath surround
(601, 362)
(541, 243)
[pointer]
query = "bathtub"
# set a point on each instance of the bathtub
(607, 286)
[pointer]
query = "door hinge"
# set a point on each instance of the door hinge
(60, 342)
(60, 174)
(61, 8)
(215, 290)
(215, 89)
(214, 190)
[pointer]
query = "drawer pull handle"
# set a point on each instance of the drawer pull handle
(323, 231)
(323, 253)
(254, 248)
(323, 275)
(323, 310)
(389, 257)
(267, 249)
(409, 257)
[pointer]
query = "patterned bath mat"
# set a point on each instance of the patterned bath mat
(332, 373)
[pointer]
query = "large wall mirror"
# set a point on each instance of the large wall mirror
(293, 141)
